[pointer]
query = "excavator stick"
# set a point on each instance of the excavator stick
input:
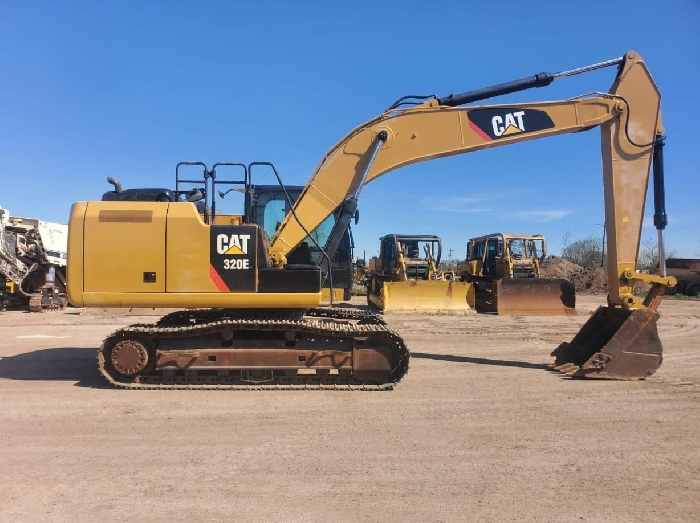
(619, 344)
(534, 297)
(429, 296)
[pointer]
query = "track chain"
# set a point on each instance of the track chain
(363, 317)
(195, 316)
(36, 303)
(198, 322)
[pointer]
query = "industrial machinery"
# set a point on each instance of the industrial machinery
(32, 263)
(260, 324)
(400, 279)
(359, 272)
(505, 270)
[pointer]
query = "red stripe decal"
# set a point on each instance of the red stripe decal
(217, 280)
(479, 131)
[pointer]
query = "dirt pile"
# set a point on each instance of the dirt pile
(586, 281)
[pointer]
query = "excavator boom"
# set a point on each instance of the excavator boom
(629, 118)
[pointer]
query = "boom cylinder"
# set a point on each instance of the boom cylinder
(539, 80)
(349, 206)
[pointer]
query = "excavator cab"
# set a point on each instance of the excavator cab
(270, 207)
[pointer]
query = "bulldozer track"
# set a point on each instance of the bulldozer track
(337, 337)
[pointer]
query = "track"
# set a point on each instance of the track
(224, 349)
(36, 303)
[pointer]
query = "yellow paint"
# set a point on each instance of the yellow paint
(338, 294)
(228, 219)
(426, 295)
(187, 244)
(240, 300)
(511, 129)
(118, 253)
(234, 250)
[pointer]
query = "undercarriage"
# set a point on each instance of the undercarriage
(319, 348)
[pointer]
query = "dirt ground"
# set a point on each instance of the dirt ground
(478, 430)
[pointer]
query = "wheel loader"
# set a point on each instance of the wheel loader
(401, 280)
(251, 319)
(505, 270)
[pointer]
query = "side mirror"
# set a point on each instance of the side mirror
(357, 216)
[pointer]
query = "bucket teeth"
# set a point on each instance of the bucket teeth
(564, 367)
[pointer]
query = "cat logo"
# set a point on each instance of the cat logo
(494, 123)
(234, 244)
(233, 250)
(513, 124)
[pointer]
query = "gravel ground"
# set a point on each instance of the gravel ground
(477, 430)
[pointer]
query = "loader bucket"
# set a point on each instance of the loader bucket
(534, 297)
(428, 296)
(613, 344)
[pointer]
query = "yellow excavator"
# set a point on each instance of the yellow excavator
(400, 280)
(252, 319)
(505, 270)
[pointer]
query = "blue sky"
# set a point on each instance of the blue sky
(128, 89)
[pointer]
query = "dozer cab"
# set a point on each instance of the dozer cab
(505, 271)
(258, 322)
(402, 278)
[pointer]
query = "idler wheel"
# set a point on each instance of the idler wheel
(129, 357)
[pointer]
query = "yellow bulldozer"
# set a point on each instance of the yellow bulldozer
(251, 315)
(399, 279)
(505, 271)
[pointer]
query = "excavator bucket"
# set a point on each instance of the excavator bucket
(534, 297)
(429, 296)
(615, 344)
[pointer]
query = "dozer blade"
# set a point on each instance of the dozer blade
(428, 296)
(534, 297)
(613, 344)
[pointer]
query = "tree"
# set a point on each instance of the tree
(447, 265)
(649, 256)
(587, 252)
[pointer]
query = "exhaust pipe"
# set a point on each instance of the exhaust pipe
(115, 182)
